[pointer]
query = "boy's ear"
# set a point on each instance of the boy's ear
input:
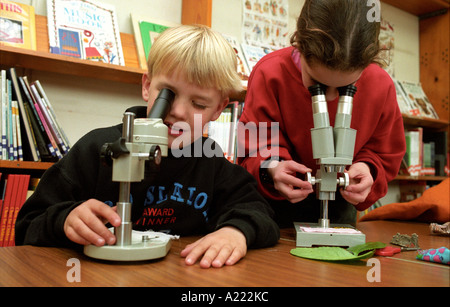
(145, 86)
(220, 108)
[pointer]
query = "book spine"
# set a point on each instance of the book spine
(52, 114)
(25, 121)
(48, 125)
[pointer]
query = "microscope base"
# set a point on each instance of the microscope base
(143, 247)
(310, 234)
(133, 252)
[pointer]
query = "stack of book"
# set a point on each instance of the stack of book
(29, 128)
(14, 191)
(426, 153)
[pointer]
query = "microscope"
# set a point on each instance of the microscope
(143, 143)
(333, 150)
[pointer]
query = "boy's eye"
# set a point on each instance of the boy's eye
(198, 105)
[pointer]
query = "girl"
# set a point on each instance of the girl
(334, 45)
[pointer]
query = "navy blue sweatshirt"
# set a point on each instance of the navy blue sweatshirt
(187, 196)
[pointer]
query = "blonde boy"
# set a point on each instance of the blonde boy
(190, 195)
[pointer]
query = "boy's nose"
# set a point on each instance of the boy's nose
(178, 109)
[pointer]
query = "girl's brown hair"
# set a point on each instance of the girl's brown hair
(337, 34)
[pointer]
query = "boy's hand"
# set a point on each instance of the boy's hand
(225, 246)
(286, 182)
(361, 182)
(86, 223)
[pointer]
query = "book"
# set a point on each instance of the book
(253, 54)
(440, 155)
(242, 66)
(428, 168)
(236, 111)
(44, 146)
(413, 155)
(146, 30)
(29, 127)
(17, 25)
(49, 126)
(224, 129)
(29, 151)
(418, 100)
(52, 116)
(8, 207)
(3, 109)
(21, 193)
(15, 188)
(403, 102)
(84, 29)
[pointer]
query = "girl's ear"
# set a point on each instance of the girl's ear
(222, 105)
(145, 86)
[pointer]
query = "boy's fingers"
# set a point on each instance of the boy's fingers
(107, 214)
(81, 233)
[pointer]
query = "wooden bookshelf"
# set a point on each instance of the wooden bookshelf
(420, 178)
(419, 7)
(426, 122)
(25, 165)
(43, 60)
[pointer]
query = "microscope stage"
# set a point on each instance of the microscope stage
(310, 234)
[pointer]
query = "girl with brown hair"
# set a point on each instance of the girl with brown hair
(335, 45)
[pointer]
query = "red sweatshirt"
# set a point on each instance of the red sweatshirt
(276, 94)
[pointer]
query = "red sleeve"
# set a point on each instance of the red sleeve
(259, 132)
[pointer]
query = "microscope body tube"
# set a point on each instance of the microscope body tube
(345, 136)
(322, 133)
(123, 232)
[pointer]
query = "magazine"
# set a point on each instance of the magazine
(418, 99)
(84, 29)
(17, 25)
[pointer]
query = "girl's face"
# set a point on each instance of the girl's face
(332, 79)
(192, 108)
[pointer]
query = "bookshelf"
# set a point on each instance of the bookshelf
(419, 7)
(43, 60)
(434, 66)
(29, 165)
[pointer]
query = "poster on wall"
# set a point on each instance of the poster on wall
(265, 23)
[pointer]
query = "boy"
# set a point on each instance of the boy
(190, 194)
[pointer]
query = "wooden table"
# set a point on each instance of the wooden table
(268, 267)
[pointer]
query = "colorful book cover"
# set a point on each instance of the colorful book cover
(253, 54)
(418, 99)
(242, 67)
(84, 29)
(17, 25)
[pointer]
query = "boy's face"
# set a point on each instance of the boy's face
(205, 104)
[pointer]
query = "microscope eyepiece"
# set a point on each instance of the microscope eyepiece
(348, 90)
(162, 104)
(316, 89)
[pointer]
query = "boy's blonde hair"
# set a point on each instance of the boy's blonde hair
(203, 56)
